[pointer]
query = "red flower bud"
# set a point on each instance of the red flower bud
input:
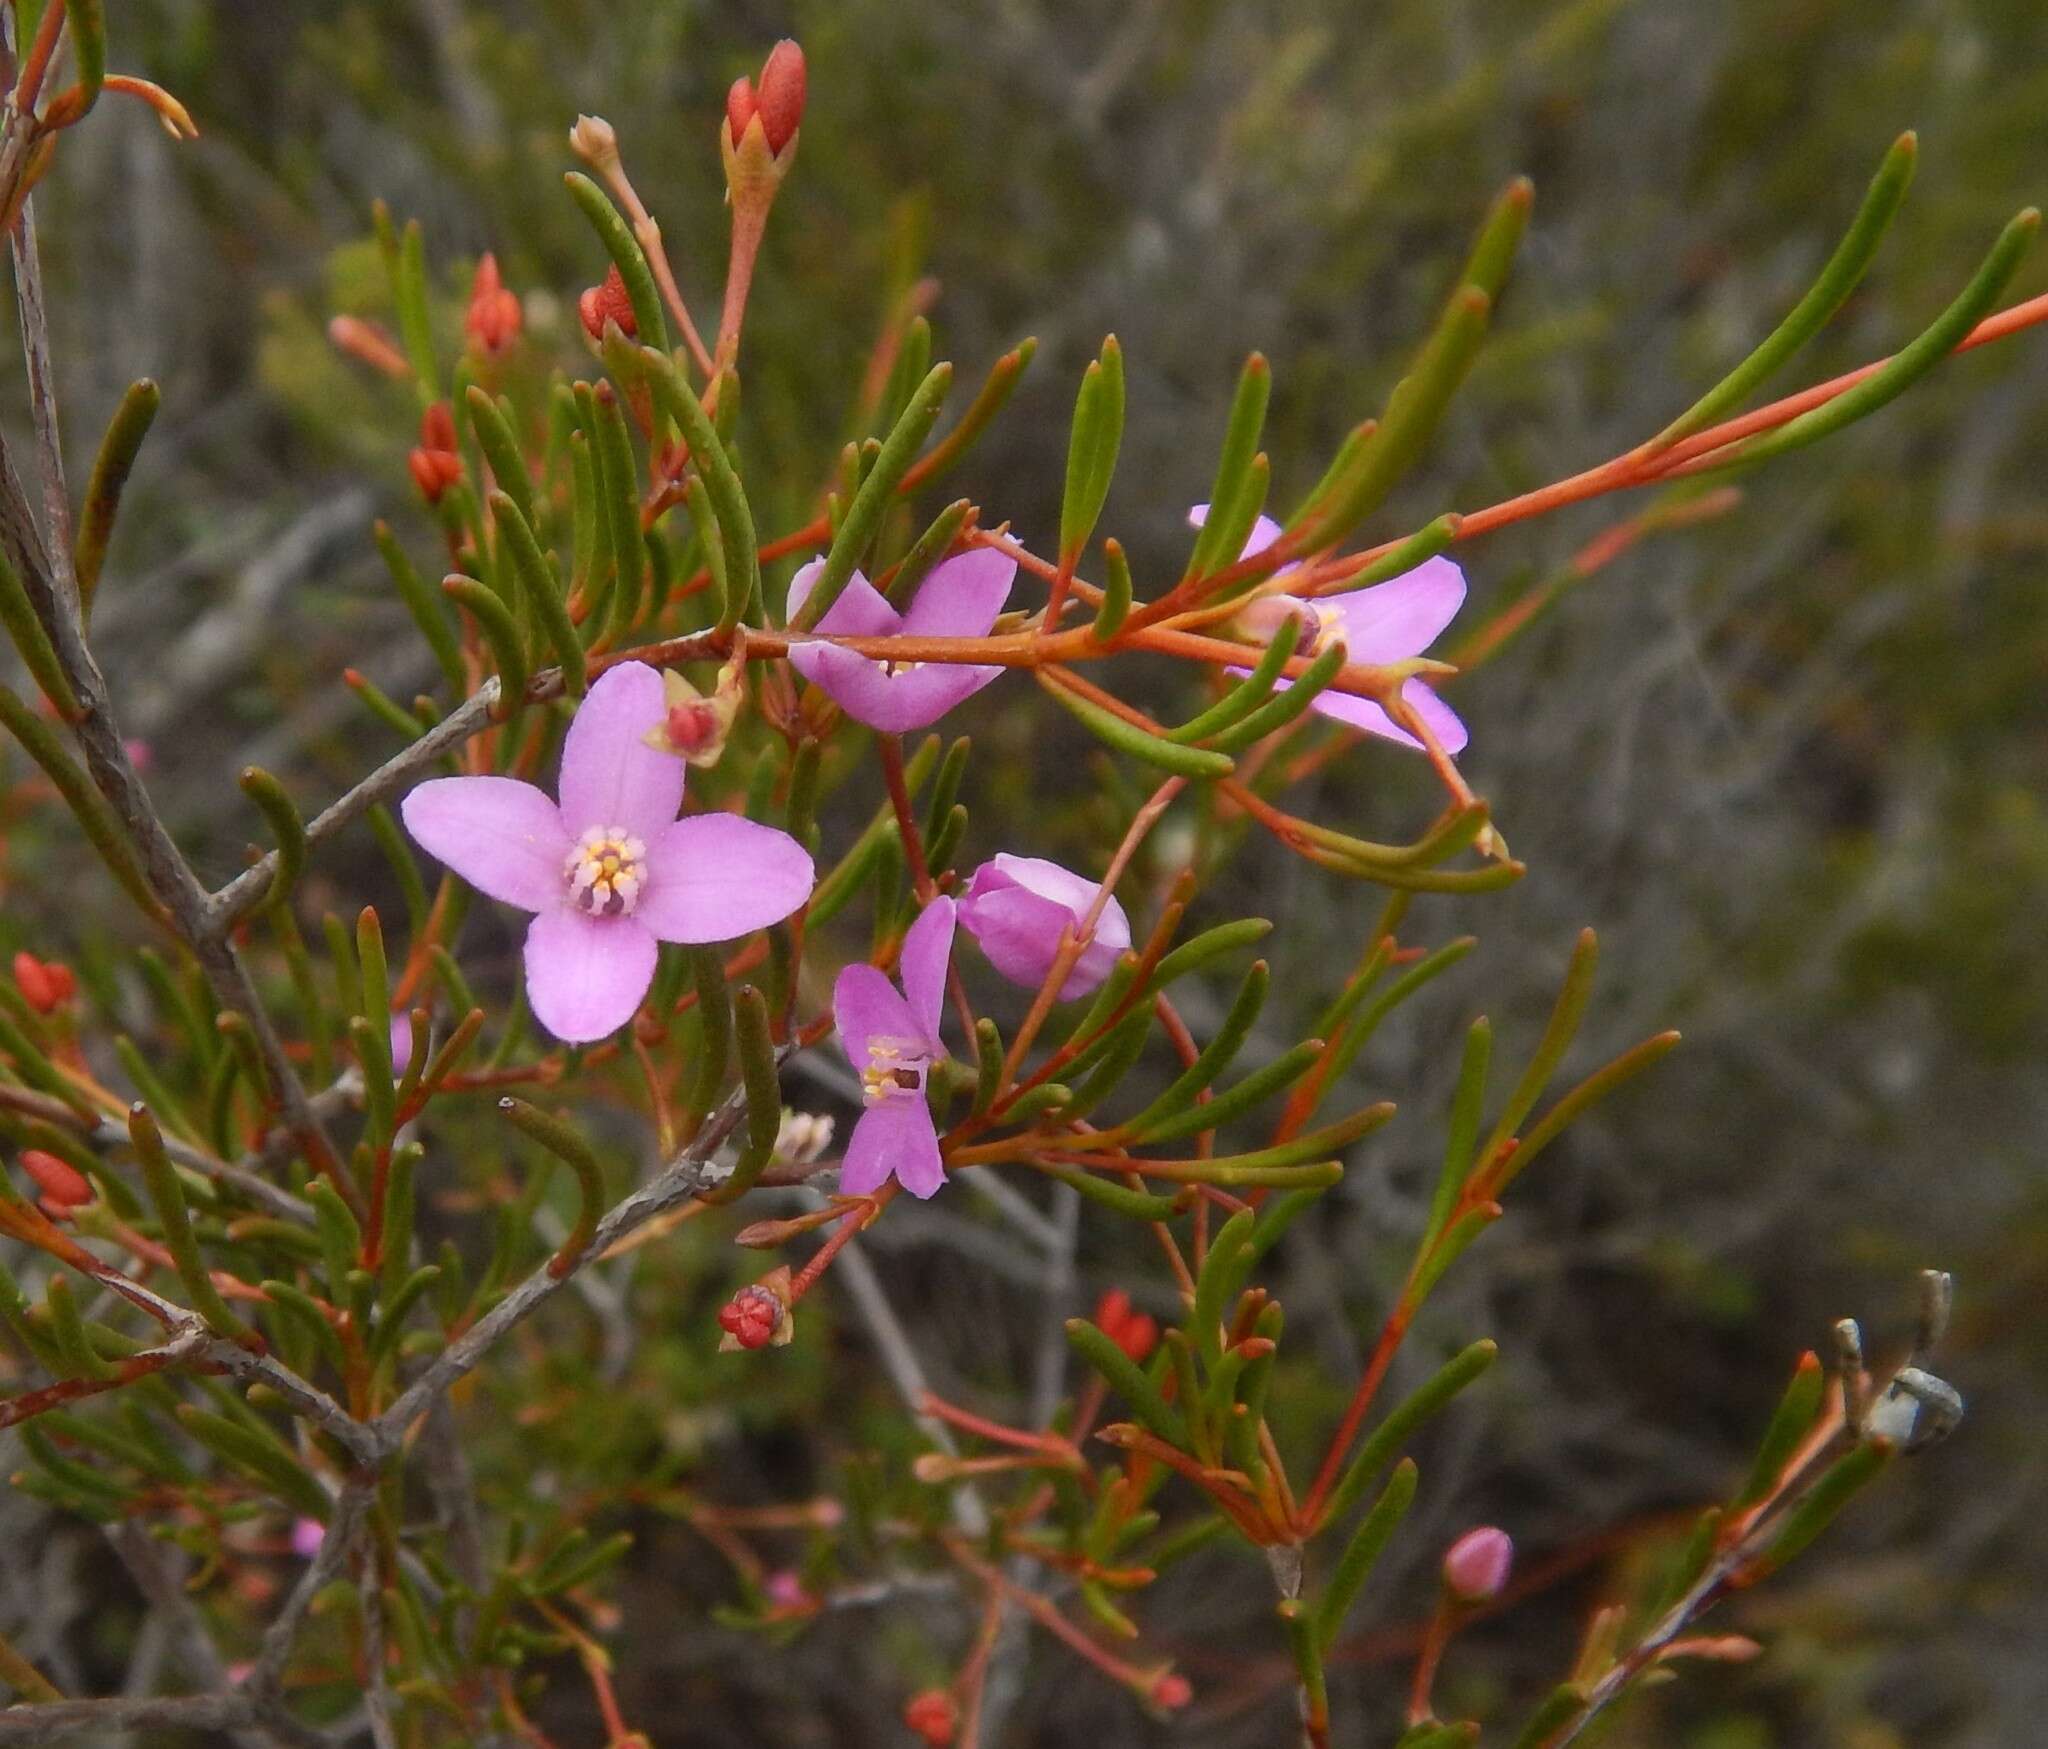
(44, 984)
(63, 1186)
(780, 98)
(434, 471)
(1172, 1692)
(934, 1715)
(750, 1317)
(437, 427)
(1136, 1333)
(607, 302)
(495, 316)
(1476, 1565)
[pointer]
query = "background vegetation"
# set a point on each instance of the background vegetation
(1790, 762)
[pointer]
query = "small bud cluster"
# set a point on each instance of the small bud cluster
(436, 464)
(495, 316)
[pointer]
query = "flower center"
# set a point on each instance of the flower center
(896, 670)
(896, 1070)
(606, 871)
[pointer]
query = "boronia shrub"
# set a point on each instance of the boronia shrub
(300, 1207)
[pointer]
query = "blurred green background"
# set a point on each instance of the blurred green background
(1790, 763)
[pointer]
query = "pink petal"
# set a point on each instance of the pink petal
(860, 611)
(895, 703)
(927, 950)
(610, 777)
(1017, 907)
(1265, 531)
(1403, 616)
(1362, 713)
(865, 1005)
(962, 597)
(585, 975)
(897, 1137)
(713, 877)
(502, 836)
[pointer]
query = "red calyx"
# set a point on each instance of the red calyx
(63, 1186)
(691, 726)
(607, 302)
(750, 1317)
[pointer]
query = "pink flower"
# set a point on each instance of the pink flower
(610, 871)
(401, 1042)
(892, 1040)
(1017, 907)
(960, 599)
(1389, 622)
(307, 1536)
(1476, 1565)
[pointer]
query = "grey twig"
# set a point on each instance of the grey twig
(676, 1183)
(69, 1720)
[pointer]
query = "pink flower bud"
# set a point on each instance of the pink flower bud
(1017, 908)
(786, 1591)
(1476, 1565)
(307, 1536)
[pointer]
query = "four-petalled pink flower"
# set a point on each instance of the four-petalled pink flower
(892, 1039)
(1388, 622)
(609, 871)
(1017, 907)
(960, 599)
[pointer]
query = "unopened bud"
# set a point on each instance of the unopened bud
(741, 106)
(779, 98)
(307, 1536)
(607, 302)
(369, 344)
(1476, 1566)
(494, 318)
(695, 724)
(62, 1185)
(1136, 1333)
(934, 1716)
(44, 984)
(802, 1137)
(434, 471)
(437, 427)
(786, 1592)
(1172, 1691)
(594, 140)
(758, 1315)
